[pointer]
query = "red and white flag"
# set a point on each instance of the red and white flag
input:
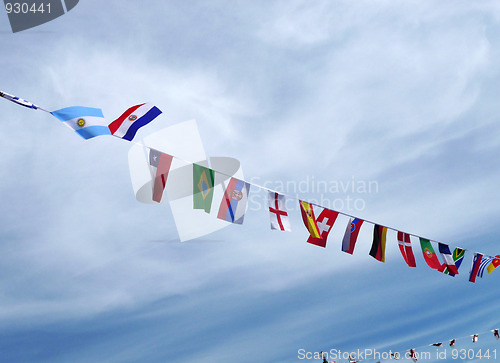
(127, 125)
(325, 222)
(405, 248)
(277, 211)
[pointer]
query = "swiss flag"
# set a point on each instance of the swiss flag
(325, 223)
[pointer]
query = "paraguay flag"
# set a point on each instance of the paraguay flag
(86, 121)
(133, 119)
(234, 202)
(351, 235)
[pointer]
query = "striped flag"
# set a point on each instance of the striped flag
(88, 122)
(309, 219)
(379, 240)
(458, 257)
(494, 264)
(476, 262)
(277, 212)
(351, 235)
(160, 166)
(404, 242)
(234, 202)
(18, 100)
(448, 259)
(127, 125)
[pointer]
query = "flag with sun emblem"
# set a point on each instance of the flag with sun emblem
(203, 187)
(234, 202)
(88, 122)
(127, 125)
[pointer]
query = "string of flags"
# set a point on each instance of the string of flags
(90, 122)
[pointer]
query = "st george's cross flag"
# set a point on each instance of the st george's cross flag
(277, 212)
(449, 264)
(307, 211)
(159, 164)
(351, 235)
(404, 242)
(127, 125)
(234, 202)
(324, 222)
(379, 240)
(458, 257)
(430, 255)
(203, 187)
(88, 122)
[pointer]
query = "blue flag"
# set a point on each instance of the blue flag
(86, 121)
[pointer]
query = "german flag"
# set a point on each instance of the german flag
(378, 245)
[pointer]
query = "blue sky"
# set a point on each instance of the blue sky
(403, 93)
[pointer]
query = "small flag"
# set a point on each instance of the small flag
(309, 219)
(203, 187)
(475, 337)
(160, 166)
(413, 355)
(458, 257)
(452, 343)
(404, 242)
(476, 262)
(86, 121)
(351, 235)
(494, 264)
(277, 211)
(430, 256)
(379, 240)
(325, 222)
(234, 202)
(495, 333)
(436, 345)
(486, 261)
(18, 100)
(395, 356)
(127, 125)
(448, 260)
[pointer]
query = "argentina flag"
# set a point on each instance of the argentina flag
(86, 121)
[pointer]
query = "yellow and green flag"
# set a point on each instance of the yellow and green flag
(203, 187)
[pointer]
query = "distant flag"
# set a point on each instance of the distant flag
(351, 235)
(203, 187)
(458, 257)
(19, 101)
(325, 222)
(413, 355)
(486, 261)
(494, 264)
(448, 259)
(495, 333)
(430, 255)
(476, 262)
(475, 337)
(405, 248)
(127, 125)
(436, 344)
(452, 343)
(160, 166)
(234, 203)
(395, 356)
(379, 240)
(86, 121)
(277, 212)
(309, 219)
